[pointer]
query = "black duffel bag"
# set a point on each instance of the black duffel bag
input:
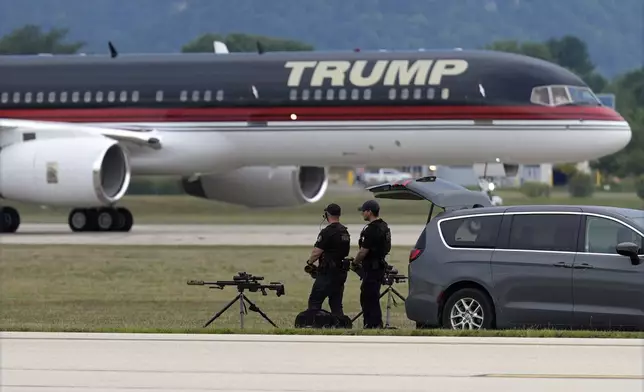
(320, 318)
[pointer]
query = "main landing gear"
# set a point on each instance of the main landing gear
(100, 219)
(80, 219)
(9, 220)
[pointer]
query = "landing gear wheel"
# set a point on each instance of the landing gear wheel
(81, 220)
(125, 220)
(9, 220)
(106, 219)
(468, 309)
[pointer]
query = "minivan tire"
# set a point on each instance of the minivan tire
(466, 296)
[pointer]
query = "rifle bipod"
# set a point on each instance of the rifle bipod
(241, 297)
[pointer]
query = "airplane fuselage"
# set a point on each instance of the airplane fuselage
(216, 112)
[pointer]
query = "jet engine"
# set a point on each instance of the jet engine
(74, 172)
(262, 186)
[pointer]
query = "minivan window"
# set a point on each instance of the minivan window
(603, 235)
(550, 232)
(471, 232)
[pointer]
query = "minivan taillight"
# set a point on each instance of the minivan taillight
(414, 254)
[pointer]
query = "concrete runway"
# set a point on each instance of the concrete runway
(112, 362)
(404, 235)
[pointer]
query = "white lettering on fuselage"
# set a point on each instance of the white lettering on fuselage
(387, 72)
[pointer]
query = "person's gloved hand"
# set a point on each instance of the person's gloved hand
(311, 269)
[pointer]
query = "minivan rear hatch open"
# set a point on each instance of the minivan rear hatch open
(439, 192)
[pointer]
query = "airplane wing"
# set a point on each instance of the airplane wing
(140, 137)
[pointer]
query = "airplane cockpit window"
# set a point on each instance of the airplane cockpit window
(563, 95)
(583, 95)
(540, 96)
(560, 96)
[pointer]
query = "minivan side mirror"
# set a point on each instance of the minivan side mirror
(629, 249)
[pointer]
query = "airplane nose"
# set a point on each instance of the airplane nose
(592, 140)
(615, 137)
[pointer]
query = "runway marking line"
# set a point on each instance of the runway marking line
(564, 376)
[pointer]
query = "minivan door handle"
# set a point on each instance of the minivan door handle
(583, 266)
(561, 264)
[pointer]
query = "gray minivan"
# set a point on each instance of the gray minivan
(476, 266)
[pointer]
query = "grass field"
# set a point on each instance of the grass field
(185, 209)
(143, 289)
(92, 287)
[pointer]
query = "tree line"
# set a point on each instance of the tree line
(567, 51)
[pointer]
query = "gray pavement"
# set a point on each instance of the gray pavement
(280, 235)
(114, 362)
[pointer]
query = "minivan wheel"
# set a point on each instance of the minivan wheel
(468, 309)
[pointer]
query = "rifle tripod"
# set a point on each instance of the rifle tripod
(389, 292)
(241, 297)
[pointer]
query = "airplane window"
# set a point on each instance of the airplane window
(75, 96)
(318, 95)
(88, 96)
(99, 96)
(39, 97)
(355, 94)
(123, 96)
(16, 97)
(342, 94)
(5, 97)
(305, 95)
(63, 96)
(392, 93)
(293, 95)
(111, 96)
(540, 96)
(329, 94)
(28, 97)
(417, 93)
(431, 93)
(583, 95)
(404, 94)
(195, 96)
(52, 97)
(560, 95)
(159, 96)
(135, 96)
(220, 95)
(367, 94)
(445, 93)
(207, 96)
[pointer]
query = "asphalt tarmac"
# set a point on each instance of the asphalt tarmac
(125, 362)
(279, 235)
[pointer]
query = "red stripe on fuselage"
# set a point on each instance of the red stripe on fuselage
(341, 113)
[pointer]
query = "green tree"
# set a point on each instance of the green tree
(630, 160)
(532, 49)
(569, 52)
(238, 42)
(31, 39)
(572, 53)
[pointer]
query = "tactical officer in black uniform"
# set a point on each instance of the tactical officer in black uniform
(375, 244)
(332, 247)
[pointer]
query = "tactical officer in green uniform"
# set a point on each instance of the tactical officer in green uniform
(375, 244)
(332, 247)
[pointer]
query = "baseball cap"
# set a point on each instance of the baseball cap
(370, 205)
(333, 209)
